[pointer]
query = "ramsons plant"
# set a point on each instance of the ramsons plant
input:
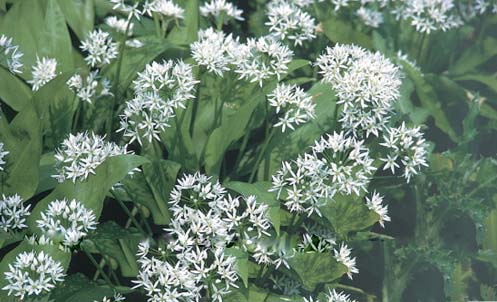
(193, 150)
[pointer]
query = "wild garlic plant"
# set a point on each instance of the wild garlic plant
(191, 151)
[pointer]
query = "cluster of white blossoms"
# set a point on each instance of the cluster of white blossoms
(289, 22)
(89, 87)
(407, 146)
(342, 255)
(262, 58)
(116, 298)
(32, 274)
(159, 90)
(370, 17)
(10, 54)
(3, 153)
(215, 50)
(66, 222)
(80, 154)
(13, 213)
(205, 220)
(293, 106)
(337, 165)
(120, 25)
(366, 84)
(332, 296)
(100, 47)
(43, 72)
(375, 203)
(165, 8)
(221, 10)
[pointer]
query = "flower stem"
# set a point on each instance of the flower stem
(99, 269)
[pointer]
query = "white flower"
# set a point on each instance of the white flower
(407, 146)
(289, 22)
(285, 284)
(370, 17)
(86, 89)
(119, 25)
(262, 58)
(334, 296)
(375, 203)
(130, 10)
(293, 106)
(214, 50)
(32, 274)
(10, 54)
(13, 213)
(134, 43)
(66, 221)
(81, 154)
(159, 90)
(220, 9)
(343, 256)
(366, 84)
(100, 47)
(2, 156)
(166, 8)
(43, 72)
(116, 298)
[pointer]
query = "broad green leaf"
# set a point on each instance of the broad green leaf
(23, 141)
(187, 32)
(251, 294)
(260, 191)
(161, 177)
(348, 214)
(79, 14)
(111, 240)
(91, 192)
(13, 91)
(486, 79)
(477, 54)
(428, 98)
(241, 262)
(54, 38)
(316, 268)
(9, 238)
(77, 288)
(339, 31)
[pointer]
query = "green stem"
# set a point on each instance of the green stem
(157, 25)
(130, 215)
(99, 269)
(265, 144)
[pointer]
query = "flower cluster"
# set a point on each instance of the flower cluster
(120, 25)
(366, 84)
(342, 255)
(262, 58)
(66, 222)
(43, 72)
(375, 203)
(221, 10)
(370, 17)
(159, 90)
(32, 274)
(165, 8)
(2, 156)
(81, 154)
(214, 50)
(13, 213)
(116, 298)
(100, 47)
(332, 296)
(337, 164)
(205, 220)
(10, 54)
(289, 22)
(292, 104)
(407, 146)
(90, 86)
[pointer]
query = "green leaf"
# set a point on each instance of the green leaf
(251, 294)
(161, 177)
(111, 240)
(260, 191)
(479, 53)
(54, 38)
(241, 262)
(428, 98)
(316, 268)
(13, 91)
(79, 14)
(91, 192)
(187, 32)
(339, 31)
(77, 288)
(348, 214)
(23, 141)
